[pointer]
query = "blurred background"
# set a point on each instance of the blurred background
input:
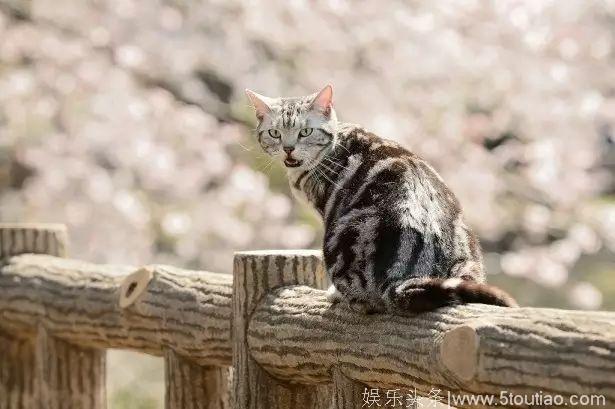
(127, 121)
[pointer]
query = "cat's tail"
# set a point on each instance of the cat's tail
(427, 294)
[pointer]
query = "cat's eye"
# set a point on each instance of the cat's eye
(306, 132)
(274, 133)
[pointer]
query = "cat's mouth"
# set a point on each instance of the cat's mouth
(292, 162)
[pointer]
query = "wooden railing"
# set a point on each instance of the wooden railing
(270, 322)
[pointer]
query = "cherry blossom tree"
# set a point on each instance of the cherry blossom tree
(127, 121)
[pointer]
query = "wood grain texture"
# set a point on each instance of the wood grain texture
(350, 394)
(39, 371)
(69, 376)
(23, 238)
(255, 274)
(17, 372)
(290, 348)
(186, 311)
(192, 386)
(295, 334)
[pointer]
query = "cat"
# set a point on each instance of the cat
(394, 236)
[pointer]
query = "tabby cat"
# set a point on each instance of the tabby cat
(394, 238)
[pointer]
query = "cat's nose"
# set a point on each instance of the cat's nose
(288, 149)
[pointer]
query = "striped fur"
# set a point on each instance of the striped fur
(395, 239)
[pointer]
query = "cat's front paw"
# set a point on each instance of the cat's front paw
(334, 296)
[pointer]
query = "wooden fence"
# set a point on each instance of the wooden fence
(266, 337)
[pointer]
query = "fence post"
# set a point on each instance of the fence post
(188, 385)
(16, 373)
(351, 394)
(191, 386)
(255, 273)
(46, 372)
(347, 394)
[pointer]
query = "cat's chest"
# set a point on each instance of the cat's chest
(304, 188)
(297, 190)
(299, 194)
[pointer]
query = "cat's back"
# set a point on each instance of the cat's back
(393, 204)
(381, 172)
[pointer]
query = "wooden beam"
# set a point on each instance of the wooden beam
(255, 274)
(17, 373)
(35, 238)
(41, 371)
(192, 386)
(186, 311)
(295, 334)
(69, 376)
(292, 339)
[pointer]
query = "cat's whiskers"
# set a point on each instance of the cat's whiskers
(267, 166)
(336, 143)
(247, 149)
(323, 174)
(333, 172)
(332, 162)
(311, 170)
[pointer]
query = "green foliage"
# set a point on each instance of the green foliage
(129, 398)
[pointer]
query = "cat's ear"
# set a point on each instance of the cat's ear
(323, 101)
(260, 104)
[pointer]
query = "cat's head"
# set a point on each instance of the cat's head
(297, 130)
